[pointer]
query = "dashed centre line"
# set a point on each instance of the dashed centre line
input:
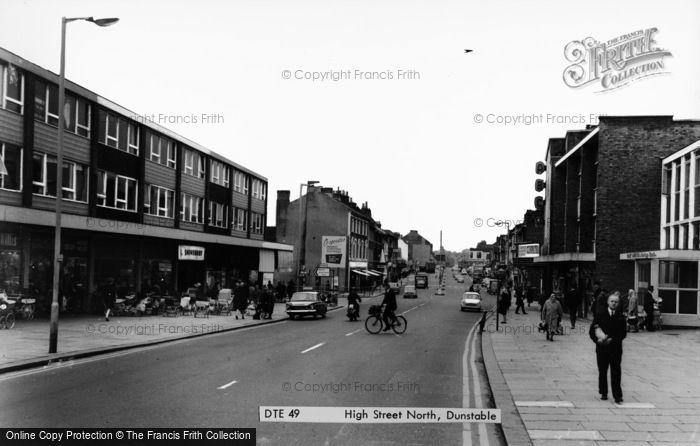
(313, 348)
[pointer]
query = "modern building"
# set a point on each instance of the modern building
(324, 216)
(671, 265)
(603, 198)
(141, 204)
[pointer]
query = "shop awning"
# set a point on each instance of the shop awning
(371, 273)
(378, 272)
(362, 273)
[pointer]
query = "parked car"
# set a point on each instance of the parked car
(470, 302)
(421, 281)
(306, 303)
(409, 292)
(459, 278)
(440, 291)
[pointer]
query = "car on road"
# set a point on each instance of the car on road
(470, 302)
(459, 278)
(409, 292)
(421, 281)
(396, 286)
(306, 303)
(440, 291)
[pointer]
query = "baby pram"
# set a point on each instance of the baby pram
(658, 322)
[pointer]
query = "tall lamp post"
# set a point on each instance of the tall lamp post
(301, 260)
(57, 257)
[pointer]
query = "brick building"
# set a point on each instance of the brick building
(325, 212)
(420, 250)
(602, 198)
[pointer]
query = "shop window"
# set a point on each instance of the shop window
(12, 89)
(687, 302)
(11, 158)
(159, 201)
(669, 301)
(10, 268)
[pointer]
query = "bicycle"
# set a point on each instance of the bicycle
(7, 315)
(374, 322)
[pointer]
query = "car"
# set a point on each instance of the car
(440, 291)
(396, 286)
(409, 292)
(459, 278)
(471, 301)
(306, 303)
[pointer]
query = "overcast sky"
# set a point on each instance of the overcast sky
(408, 146)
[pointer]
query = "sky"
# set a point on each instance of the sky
(379, 99)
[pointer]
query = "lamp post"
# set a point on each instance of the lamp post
(302, 230)
(57, 257)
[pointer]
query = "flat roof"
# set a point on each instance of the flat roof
(113, 106)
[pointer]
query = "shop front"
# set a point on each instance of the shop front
(674, 275)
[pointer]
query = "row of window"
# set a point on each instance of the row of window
(77, 115)
(358, 248)
(358, 226)
(11, 89)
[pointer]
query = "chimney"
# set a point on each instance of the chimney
(282, 208)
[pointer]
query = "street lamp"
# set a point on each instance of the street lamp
(302, 231)
(57, 257)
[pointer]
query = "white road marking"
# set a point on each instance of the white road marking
(483, 436)
(313, 348)
(227, 385)
(466, 427)
(353, 332)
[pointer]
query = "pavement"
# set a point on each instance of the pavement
(548, 391)
(27, 344)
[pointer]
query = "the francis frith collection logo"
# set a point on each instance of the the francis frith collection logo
(614, 63)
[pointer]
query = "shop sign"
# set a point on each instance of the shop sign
(165, 267)
(529, 250)
(190, 252)
(640, 255)
(333, 251)
(7, 239)
(358, 264)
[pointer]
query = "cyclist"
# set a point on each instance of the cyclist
(389, 303)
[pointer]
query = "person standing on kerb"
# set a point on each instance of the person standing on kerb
(608, 330)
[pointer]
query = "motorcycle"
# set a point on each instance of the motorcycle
(353, 312)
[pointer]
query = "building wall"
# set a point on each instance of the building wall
(629, 188)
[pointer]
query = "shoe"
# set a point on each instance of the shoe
(618, 400)
(386, 329)
(603, 396)
(107, 319)
(524, 312)
(236, 317)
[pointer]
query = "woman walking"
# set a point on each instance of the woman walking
(632, 311)
(504, 302)
(551, 315)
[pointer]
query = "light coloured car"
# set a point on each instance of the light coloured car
(459, 278)
(470, 302)
(409, 292)
(306, 303)
(440, 291)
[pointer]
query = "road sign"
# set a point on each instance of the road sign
(322, 272)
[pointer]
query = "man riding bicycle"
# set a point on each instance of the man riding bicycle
(389, 304)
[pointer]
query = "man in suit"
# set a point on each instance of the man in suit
(607, 331)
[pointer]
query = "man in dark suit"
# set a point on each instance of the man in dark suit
(607, 331)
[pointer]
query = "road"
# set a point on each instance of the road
(222, 379)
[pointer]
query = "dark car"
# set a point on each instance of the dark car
(409, 292)
(306, 303)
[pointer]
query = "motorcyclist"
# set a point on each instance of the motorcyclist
(389, 304)
(354, 299)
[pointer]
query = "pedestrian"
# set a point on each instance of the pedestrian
(281, 291)
(596, 293)
(240, 300)
(504, 303)
(108, 294)
(291, 288)
(649, 302)
(632, 311)
(551, 316)
(519, 302)
(529, 296)
(607, 331)
(573, 300)
(601, 304)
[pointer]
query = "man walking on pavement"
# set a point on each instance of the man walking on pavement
(607, 331)
(519, 302)
(573, 300)
(649, 308)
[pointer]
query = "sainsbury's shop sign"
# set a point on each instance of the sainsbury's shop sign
(190, 252)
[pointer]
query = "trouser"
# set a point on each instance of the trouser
(572, 315)
(609, 358)
(649, 319)
(632, 322)
(520, 305)
(388, 316)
